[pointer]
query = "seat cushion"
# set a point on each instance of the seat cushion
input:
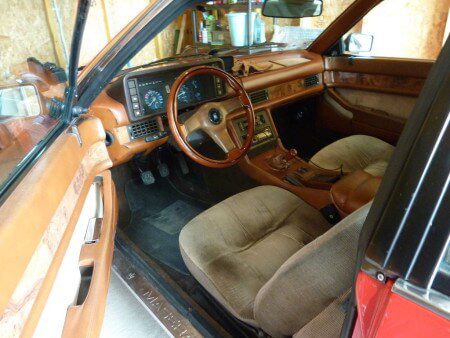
(355, 153)
(235, 247)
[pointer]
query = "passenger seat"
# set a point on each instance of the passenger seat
(356, 152)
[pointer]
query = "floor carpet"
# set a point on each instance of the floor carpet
(158, 213)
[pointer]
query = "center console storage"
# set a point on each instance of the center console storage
(286, 166)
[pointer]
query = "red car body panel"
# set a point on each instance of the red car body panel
(383, 313)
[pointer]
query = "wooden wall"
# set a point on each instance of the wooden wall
(29, 28)
(416, 30)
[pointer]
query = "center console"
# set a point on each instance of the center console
(268, 154)
(264, 137)
(289, 168)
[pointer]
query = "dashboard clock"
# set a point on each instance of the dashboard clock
(154, 99)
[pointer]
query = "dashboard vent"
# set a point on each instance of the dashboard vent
(142, 129)
(311, 81)
(260, 96)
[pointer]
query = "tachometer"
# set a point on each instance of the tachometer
(154, 99)
(185, 94)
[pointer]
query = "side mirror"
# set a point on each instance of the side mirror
(358, 42)
(21, 100)
(292, 9)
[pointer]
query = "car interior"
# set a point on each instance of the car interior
(249, 191)
(243, 179)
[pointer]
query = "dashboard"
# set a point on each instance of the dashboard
(147, 91)
(132, 107)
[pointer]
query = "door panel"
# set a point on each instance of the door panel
(371, 96)
(39, 218)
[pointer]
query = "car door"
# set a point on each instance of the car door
(57, 217)
(402, 284)
(376, 73)
(371, 95)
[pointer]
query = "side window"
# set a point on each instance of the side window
(414, 29)
(31, 75)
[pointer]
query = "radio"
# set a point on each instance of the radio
(263, 128)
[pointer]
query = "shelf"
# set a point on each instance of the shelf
(255, 45)
(239, 6)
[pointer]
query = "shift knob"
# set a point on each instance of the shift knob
(291, 155)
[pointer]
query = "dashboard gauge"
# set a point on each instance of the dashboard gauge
(196, 84)
(185, 94)
(154, 99)
(198, 96)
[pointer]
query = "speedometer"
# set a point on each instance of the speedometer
(154, 99)
(185, 94)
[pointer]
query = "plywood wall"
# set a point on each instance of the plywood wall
(25, 29)
(25, 33)
(415, 30)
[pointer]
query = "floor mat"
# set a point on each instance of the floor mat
(159, 212)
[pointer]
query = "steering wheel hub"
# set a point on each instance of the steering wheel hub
(215, 116)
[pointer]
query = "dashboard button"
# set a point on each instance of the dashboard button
(134, 98)
(131, 84)
(133, 91)
(135, 105)
(137, 112)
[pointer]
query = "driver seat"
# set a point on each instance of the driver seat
(273, 261)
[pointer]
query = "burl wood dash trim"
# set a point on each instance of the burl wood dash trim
(20, 304)
(289, 88)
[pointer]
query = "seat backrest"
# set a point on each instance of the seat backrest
(311, 279)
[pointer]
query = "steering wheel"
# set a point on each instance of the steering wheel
(211, 117)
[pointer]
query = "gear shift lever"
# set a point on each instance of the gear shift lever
(291, 155)
(282, 161)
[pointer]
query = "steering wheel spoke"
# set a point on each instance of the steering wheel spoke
(222, 138)
(191, 125)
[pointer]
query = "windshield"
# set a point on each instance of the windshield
(221, 27)
(210, 26)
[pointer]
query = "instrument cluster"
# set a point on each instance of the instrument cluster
(147, 91)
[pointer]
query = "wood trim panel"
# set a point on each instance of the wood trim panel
(283, 94)
(380, 65)
(36, 222)
(410, 86)
(290, 88)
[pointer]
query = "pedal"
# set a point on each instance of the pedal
(147, 177)
(163, 170)
(183, 165)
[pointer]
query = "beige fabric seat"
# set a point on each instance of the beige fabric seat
(271, 259)
(355, 152)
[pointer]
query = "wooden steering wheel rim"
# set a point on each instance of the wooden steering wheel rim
(175, 127)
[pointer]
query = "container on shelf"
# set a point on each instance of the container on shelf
(238, 28)
(260, 30)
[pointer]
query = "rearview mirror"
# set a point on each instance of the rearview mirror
(292, 8)
(358, 42)
(20, 100)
